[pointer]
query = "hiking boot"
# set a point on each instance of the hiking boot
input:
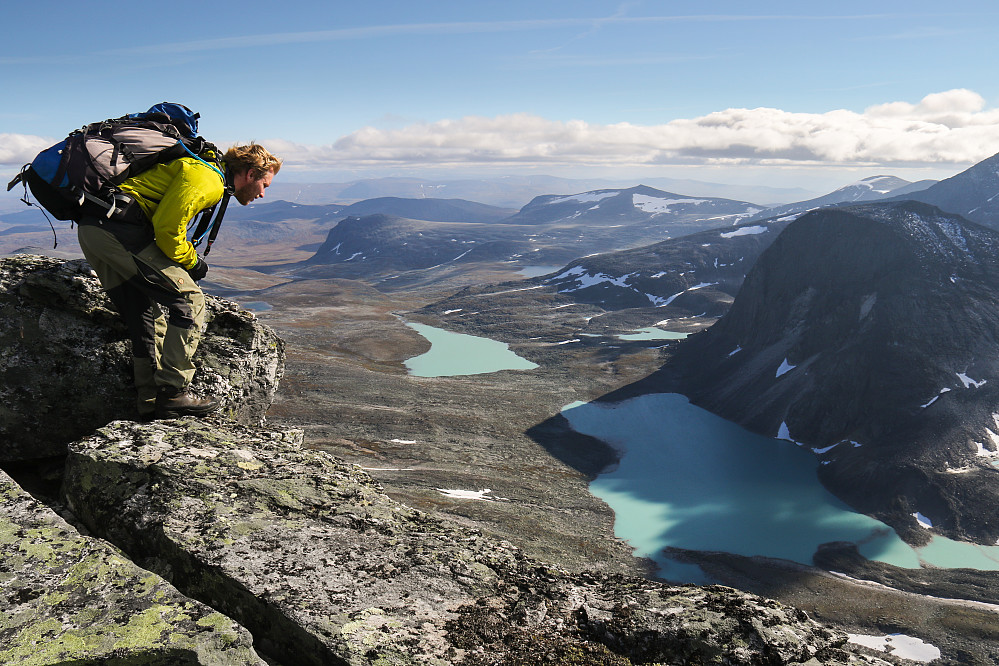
(172, 403)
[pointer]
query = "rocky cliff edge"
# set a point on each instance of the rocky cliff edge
(66, 361)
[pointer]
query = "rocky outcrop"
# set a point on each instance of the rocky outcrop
(307, 553)
(871, 335)
(66, 362)
(67, 598)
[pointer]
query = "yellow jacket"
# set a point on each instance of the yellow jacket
(171, 194)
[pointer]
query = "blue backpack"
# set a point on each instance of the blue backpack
(80, 175)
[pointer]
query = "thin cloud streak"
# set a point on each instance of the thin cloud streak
(555, 60)
(455, 28)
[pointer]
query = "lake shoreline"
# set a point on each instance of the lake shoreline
(845, 590)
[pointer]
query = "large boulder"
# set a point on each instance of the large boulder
(323, 568)
(66, 362)
(70, 599)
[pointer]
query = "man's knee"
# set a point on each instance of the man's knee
(187, 311)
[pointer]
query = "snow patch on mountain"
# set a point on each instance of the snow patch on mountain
(969, 382)
(936, 397)
(745, 231)
(585, 197)
(785, 368)
(583, 279)
(658, 205)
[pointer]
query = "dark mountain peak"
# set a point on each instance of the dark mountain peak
(971, 193)
(870, 333)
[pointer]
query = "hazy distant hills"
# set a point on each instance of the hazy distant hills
(868, 189)
(430, 209)
(436, 210)
(674, 213)
(551, 230)
(699, 273)
(871, 335)
(512, 191)
(377, 245)
(306, 227)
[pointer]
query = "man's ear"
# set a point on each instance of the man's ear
(239, 178)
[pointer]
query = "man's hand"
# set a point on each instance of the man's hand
(199, 270)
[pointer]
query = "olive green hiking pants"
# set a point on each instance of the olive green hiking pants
(137, 284)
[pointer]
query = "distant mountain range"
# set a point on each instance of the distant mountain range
(868, 189)
(512, 191)
(382, 246)
(699, 273)
(674, 212)
(551, 230)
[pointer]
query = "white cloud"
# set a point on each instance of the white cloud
(18, 149)
(947, 128)
(952, 127)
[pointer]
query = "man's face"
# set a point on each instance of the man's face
(247, 188)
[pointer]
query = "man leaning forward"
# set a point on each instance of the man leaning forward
(144, 260)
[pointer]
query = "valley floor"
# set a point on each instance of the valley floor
(457, 446)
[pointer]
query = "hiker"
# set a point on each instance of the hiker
(143, 259)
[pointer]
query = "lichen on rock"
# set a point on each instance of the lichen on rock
(66, 598)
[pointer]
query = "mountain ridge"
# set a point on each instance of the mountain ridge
(868, 333)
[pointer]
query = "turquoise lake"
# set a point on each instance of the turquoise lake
(256, 306)
(652, 333)
(537, 271)
(453, 354)
(692, 480)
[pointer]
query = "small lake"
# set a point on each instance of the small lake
(453, 354)
(690, 479)
(256, 306)
(537, 271)
(652, 333)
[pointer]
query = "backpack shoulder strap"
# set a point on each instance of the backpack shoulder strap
(207, 226)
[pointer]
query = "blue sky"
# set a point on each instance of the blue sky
(782, 93)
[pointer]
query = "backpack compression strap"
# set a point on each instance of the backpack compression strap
(22, 178)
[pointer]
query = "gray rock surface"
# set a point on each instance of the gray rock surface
(67, 598)
(307, 553)
(65, 359)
